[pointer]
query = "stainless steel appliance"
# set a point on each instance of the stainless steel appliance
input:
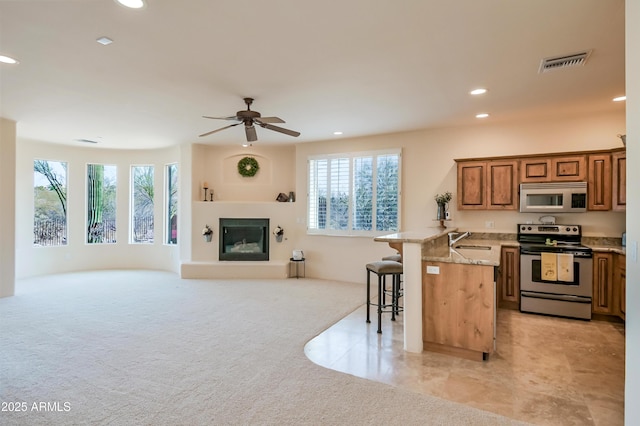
(564, 197)
(567, 297)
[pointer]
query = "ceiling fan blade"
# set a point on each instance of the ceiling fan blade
(221, 118)
(251, 133)
(281, 130)
(217, 130)
(269, 120)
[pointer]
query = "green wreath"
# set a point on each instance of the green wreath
(248, 167)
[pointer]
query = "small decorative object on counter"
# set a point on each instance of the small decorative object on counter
(292, 197)
(278, 232)
(207, 232)
(297, 255)
(282, 197)
(623, 138)
(211, 195)
(442, 200)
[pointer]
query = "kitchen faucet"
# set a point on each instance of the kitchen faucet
(454, 237)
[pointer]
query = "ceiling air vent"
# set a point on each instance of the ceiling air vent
(565, 61)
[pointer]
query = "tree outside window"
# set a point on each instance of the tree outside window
(101, 204)
(172, 204)
(50, 203)
(142, 223)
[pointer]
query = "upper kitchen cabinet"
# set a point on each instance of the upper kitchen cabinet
(619, 173)
(553, 169)
(599, 183)
(489, 185)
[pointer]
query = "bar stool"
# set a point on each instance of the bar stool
(394, 257)
(382, 268)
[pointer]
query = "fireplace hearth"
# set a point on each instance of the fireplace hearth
(244, 239)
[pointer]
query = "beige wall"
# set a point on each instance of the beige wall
(428, 168)
(8, 210)
(77, 255)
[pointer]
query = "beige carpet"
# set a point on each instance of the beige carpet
(145, 347)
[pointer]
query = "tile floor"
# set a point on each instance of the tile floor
(546, 370)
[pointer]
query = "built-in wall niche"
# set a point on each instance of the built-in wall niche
(218, 167)
(244, 239)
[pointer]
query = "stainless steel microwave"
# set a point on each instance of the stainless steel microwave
(563, 197)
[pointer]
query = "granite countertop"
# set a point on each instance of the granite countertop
(470, 256)
(415, 236)
(605, 248)
(435, 246)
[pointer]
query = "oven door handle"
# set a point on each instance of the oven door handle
(563, 297)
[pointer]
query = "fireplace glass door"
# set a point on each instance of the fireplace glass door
(244, 239)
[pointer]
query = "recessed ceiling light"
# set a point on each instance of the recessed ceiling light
(478, 92)
(86, 141)
(105, 41)
(482, 115)
(133, 4)
(337, 133)
(620, 99)
(7, 60)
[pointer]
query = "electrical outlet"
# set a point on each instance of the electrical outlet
(447, 215)
(489, 224)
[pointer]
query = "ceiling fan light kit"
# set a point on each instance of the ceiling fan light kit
(249, 118)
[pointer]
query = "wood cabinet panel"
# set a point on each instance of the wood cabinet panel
(502, 190)
(620, 285)
(619, 187)
(599, 183)
(509, 291)
(553, 169)
(471, 185)
(488, 185)
(458, 306)
(569, 169)
(603, 284)
(535, 170)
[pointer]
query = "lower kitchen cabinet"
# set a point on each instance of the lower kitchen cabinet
(509, 278)
(620, 285)
(458, 309)
(603, 268)
(609, 284)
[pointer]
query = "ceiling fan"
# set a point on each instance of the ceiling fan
(249, 118)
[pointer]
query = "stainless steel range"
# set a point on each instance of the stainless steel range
(555, 271)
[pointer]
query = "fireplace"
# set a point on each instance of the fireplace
(244, 239)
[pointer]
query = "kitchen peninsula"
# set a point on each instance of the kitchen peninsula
(449, 293)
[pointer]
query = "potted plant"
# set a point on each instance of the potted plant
(442, 200)
(278, 232)
(206, 233)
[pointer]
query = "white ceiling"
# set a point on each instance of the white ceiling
(359, 66)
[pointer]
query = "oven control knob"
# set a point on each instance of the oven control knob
(568, 229)
(575, 229)
(529, 228)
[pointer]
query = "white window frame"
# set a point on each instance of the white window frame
(351, 156)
